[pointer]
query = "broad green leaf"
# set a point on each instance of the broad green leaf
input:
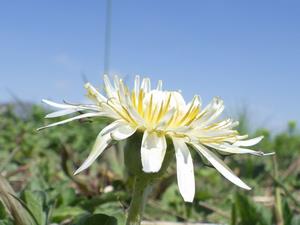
(35, 201)
(67, 196)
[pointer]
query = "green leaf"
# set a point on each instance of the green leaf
(113, 209)
(97, 219)
(287, 214)
(249, 213)
(35, 202)
(114, 196)
(67, 197)
(64, 212)
(6, 222)
(3, 213)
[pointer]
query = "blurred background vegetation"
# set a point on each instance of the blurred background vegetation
(37, 185)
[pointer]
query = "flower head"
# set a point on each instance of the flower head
(159, 115)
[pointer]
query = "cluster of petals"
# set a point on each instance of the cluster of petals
(160, 114)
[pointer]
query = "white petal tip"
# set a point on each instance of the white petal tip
(260, 138)
(87, 85)
(265, 154)
(151, 170)
(268, 154)
(258, 153)
(76, 172)
(86, 164)
(244, 186)
(79, 170)
(189, 199)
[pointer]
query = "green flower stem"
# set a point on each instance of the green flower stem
(142, 180)
(278, 200)
(138, 201)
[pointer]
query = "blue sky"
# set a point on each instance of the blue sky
(247, 52)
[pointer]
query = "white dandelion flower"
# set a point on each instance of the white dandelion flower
(160, 114)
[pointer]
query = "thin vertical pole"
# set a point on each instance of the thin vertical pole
(107, 40)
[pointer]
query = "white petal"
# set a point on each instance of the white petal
(213, 109)
(86, 115)
(166, 118)
(116, 82)
(58, 105)
(157, 97)
(194, 103)
(146, 85)
(99, 146)
(122, 132)
(109, 128)
(201, 133)
(63, 112)
(231, 125)
(177, 101)
(71, 106)
(187, 109)
(153, 151)
(135, 115)
(214, 116)
(249, 142)
(234, 149)
(121, 86)
(106, 107)
(159, 85)
(110, 91)
(118, 130)
(182, 129)
(123, 95)
(137, 86)
(94, 93)
(127, 104)
(220, 166)
(242, 137)
(185, 170)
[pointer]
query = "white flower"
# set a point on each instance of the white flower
(160, 114)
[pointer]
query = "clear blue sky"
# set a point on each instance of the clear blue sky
(247, 52)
